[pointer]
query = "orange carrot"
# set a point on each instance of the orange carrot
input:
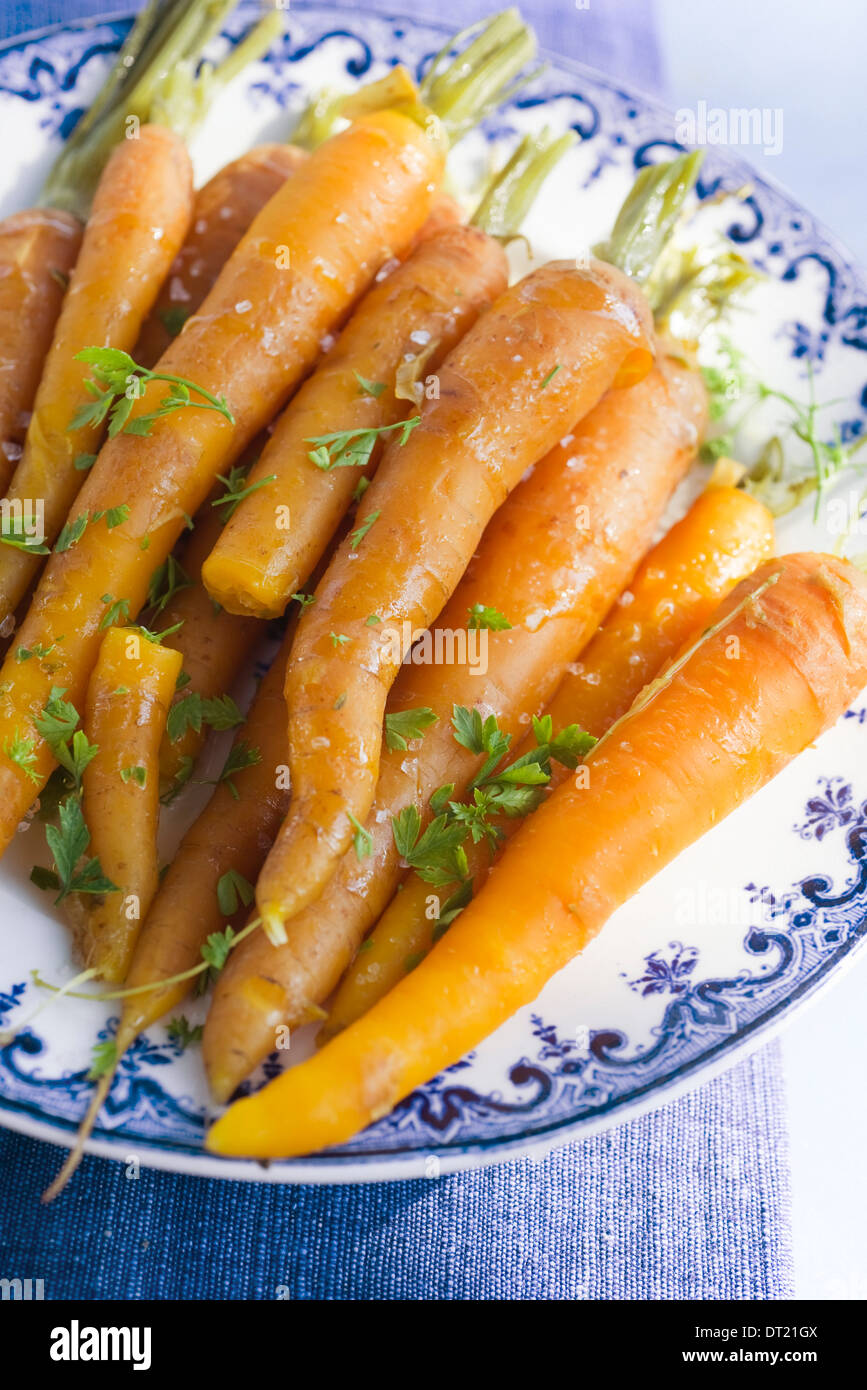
(128, 699)
(540, 358)
(290, 279)
(218, 854)
(222, 212)
(37, 252)
(553, 558)
(213, 644)
(140, 216)
(722, 538)
(231, 836)
(382, 363)
(786, 655)
(278, 533)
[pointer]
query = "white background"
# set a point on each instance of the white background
(808, 58)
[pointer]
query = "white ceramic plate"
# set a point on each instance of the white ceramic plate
(725, 943)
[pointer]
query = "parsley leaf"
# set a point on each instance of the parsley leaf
(406, 725)
(242, 755)
(362, 840)
(357, 536)
(436, 854)
(12, 532)
(71, 534)
(117, 611)
(75, 757)
(193, 709)
(173, 318)
(183, 1033)
(21, 750)
(168, 579)
(233, 891)
(137, 774)
(353, 448)
(117, 382)
(58, 719)
(368, 388)
(235, 494)
(104, 1059)
(68, 843)
(481, 616)
(217, 947)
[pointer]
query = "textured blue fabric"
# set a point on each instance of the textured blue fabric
(617, 38)
(689, 1202)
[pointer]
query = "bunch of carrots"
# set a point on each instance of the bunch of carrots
(309, 392)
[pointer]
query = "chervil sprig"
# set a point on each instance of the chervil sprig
(406, 725)
(353, 448)
(168, 579)
(117, 383)
(68, 842)
(236, 491)
(481, 616)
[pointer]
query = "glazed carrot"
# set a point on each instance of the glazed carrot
(786, 656)
(417, 315)
(231, 835)
(37, 252)
(128, 700)
(38, 247)
(140, 216)
(276, 536)
(541, 358)
(227, 842)
(222, 212)
(553, 559)
(722, 538)
(288, 282)
(213, 644)
(384, 167)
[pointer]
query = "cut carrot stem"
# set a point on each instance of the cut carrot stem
(165, 35)
(128, 701)
(787, 655)
(722, 538)
(321, 115)
(541, 358)
(554, 558)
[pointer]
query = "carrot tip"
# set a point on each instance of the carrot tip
(273, 925)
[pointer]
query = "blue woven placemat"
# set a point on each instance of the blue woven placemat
(689, 1202)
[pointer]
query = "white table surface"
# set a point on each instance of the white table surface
(806, 58)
